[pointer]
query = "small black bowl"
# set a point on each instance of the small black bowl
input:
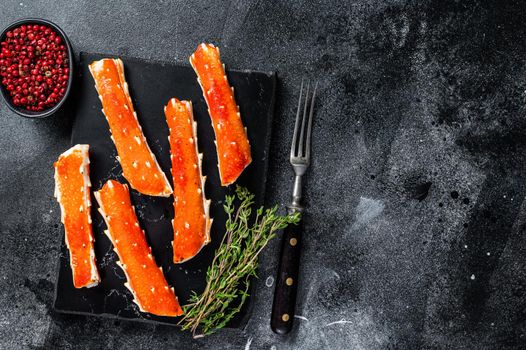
(5, 94)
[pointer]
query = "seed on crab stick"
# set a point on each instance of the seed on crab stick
(72, 190)
(233, 148)
(191, 223)
(138, 163)
(145, 279)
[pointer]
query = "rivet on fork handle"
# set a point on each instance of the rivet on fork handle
(287, 281)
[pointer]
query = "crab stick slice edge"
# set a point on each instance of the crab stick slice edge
(232, 145)
(139, 165)
(145, 279)
(191, 223)
(72, 190)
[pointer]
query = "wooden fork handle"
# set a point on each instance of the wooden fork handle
(287, 280)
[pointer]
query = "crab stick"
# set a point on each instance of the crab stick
(72, 190)
(232, 145)
(138, 163)
(145, 279)
(191, 223)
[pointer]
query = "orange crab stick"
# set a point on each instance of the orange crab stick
(145, 280)
(72, 190)
(191, 223)
(139, 165)
(233, 148)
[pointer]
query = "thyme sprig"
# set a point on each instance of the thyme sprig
(235, 262)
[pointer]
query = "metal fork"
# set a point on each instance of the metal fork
(287, 280)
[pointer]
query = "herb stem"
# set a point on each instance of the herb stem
(235, 261)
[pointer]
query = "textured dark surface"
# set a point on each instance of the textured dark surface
(415, 233)
(151, 85)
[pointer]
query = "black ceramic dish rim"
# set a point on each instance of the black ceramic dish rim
(7, 98)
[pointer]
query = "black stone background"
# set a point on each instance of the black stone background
(416, 223)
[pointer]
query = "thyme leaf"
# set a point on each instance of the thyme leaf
(235, 262)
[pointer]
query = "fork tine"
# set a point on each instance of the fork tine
(301, 149)
(309, 125)
(297, 125)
